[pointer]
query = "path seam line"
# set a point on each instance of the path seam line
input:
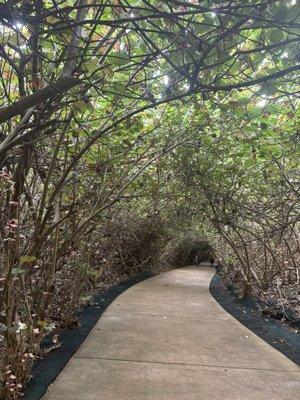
(183, 364)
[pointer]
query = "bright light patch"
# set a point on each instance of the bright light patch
(166, 80)
(262, 103)
(18, 25)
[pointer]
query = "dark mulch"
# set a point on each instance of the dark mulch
(46, 370)
(278, 334)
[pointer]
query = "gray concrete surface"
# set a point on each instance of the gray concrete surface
(166, 338)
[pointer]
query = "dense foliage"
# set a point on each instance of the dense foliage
(131, 129)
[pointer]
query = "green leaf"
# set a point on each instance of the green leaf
(268, 89)
(276, 35)
(119, 87)
(27, 259)
(119, 58)
(17, 271)
(80, 106)
(42, 324)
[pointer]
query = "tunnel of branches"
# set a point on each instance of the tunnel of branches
(134, 136)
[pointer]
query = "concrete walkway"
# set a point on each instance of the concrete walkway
(166, 338)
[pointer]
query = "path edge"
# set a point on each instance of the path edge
(269, 329)
(45, 370)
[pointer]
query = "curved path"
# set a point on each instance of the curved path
(166, 338)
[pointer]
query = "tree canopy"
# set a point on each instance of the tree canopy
(125, 126)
